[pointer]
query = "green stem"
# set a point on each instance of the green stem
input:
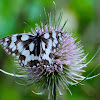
(54, 90)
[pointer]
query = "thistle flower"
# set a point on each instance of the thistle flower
(58, 64)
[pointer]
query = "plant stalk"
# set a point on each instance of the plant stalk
(54, 90)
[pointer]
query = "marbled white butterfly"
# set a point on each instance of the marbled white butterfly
(33, 50)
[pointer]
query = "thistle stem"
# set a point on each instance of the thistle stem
(54, 91)
(54, 87)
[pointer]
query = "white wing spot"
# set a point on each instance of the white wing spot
(12, 45)
(25, 53)
(20, 46)
(37, 64)
(1, 42)
(5, 44)
(14, 38)
(28, 58)
(59, 34)
(44, 56)
(31, 46)
(50, 44)
(19, 61)
(54, 50)
(48, 66)
(6, 39)
(46, 35)
(54, 34)
(45, 66)
(54, 44)
(24, 37)
(23, 61)
(9, 53)
(34, 66)
(4, 47)
(60, 39)
(32, 56)
(36, 57)
(6, 50)
(14, 48)
(55, 41)
(13, 54)
(43, 45)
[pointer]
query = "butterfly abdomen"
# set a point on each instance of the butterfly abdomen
(37, 44)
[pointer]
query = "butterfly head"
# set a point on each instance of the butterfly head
(38, 33)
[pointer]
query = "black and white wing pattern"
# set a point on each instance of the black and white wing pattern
(50, 43)
(33, 51)
(25, 46)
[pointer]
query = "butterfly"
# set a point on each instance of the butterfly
(33, 50)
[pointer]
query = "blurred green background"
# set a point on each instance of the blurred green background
(83, 20)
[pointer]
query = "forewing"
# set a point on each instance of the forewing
(21, 45)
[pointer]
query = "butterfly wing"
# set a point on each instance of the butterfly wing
(23, 46)
(49, 45)
(32, 50)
